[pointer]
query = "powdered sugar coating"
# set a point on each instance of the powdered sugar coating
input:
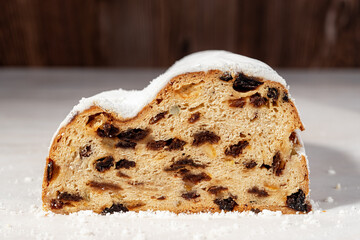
(128, 104)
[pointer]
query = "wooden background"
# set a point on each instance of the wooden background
(145, 33)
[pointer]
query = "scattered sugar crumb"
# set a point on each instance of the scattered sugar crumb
(140, 236)
(86, 232)
(331, 171)
(43, 236)
(341, 211)
(329, 200)
(28, 179)
(285, 224)
(311, 220)
(303, 226)
(198, 236)
(236, 226)
(125, 231)
(338, 186)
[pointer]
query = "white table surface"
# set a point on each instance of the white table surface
(33, 102)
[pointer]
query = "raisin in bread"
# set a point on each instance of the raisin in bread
(217, 131)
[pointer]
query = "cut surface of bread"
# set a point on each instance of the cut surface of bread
(207, 141)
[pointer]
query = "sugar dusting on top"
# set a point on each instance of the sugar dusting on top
(128, 104)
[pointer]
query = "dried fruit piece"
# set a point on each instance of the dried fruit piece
(226, 76)
(255, 210)
(65, 196)
(277, 165)
(49, 170)
(258, 192)
(190, 195)
(125, 144)
(161, 198)
(182, 163)
(236, 149)
(56, 204)
(273, 93)
(175, 144)
(293, 138)
(296, 201)
(194, 117)
(227, 204)
(250, 164)
(107, 130)
(133, 134)
(104, 164)
(205, 137)
(85, 151)
(276, 161)
(157, 118)
(216, 189)
(92, 117)
(183, 171)
(285, 98)
(123, 163)
(156, 145)
(243, 83)
(238, 103)
(257, 100)
(104, 186)
(115, 208)
(196, 178)
(169, 145)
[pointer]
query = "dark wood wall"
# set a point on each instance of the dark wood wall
(145, 33)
